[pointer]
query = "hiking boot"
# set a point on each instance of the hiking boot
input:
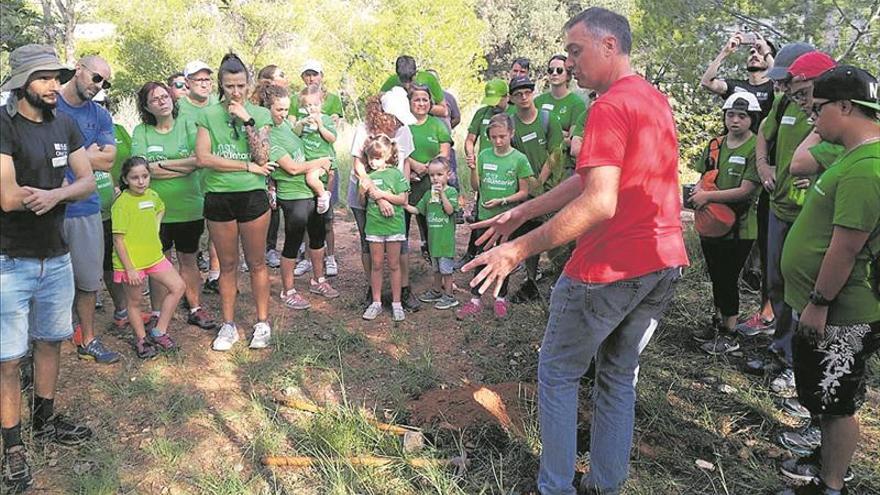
(501, 308)
(145, 349)
(397, 313)
(446, 302)
(302, 267)
(721, 345)
(273, 258)
(261, 336)
(430, 296)
(201, 319)
(527, 292)
(470, 310)
(323, 288)
(409, 301)
(331, 268)
(372, 311)
(756, 325)
(57, 429)
(815, 487)
(794, 408)
(804, 441)
(293, 300)
(784, 384)
(211, 286)
(16, 470)
(226, 337)
(96, 352)
(162, 341)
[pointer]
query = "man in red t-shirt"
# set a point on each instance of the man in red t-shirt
(623, 208)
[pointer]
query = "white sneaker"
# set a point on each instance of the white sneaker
(273, 258)
(323, 203)
(373, 310)
(302, 267)
(226, 337)
(331, 269)
(262, 334)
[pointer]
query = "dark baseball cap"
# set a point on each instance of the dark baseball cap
(786, 56)
(520, 83)
(846, 82)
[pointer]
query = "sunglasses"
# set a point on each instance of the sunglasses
(179, 84)
(817, 107)
(98, 78)
(556, 70)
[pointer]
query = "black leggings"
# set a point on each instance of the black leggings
(725, 259)
(299, 215)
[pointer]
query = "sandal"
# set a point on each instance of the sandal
(293, 300)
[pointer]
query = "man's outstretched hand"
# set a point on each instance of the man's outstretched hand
(497, 264)
(498, 228)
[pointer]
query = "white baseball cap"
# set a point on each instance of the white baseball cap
(742, 100)
(396, 103)
(312, 65)
(195, 66)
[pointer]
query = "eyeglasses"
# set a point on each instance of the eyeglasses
(201, 80)
(817, 107)
(179, 84)
(521, 94)
(98, 78)
(556, 70)
(159, 99)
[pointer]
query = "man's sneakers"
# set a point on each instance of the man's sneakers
(794, 408)
(273, 258)
(784, 384)
(802, 442)
(57, 429)
(303, 266)
(756, 325)
(227, 336)
(201, 319)
(97, 352)
(261, 336)
(815, 487)
(720, 346)
(331, 267)
(807, 469)
(16, 470)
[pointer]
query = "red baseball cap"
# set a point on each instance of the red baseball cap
(811, 65)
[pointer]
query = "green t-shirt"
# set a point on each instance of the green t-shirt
(577, 129)
(499, 178)
(286, 143)
(793, 129)
(479, 125)
(566, 109)
(332, 106)
(391, 180)
(105, 180)
(538, 145)
(826, 153)
(421, 78)
(427, 138)
(441, 227)
(183, 196)
(136, 217)
(315, 145)
(735, 166)
(231, 143)
(186, 109)
(845, 195)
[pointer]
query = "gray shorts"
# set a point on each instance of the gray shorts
(443, 266)
(85, 238)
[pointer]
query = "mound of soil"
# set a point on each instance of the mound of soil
(475, 405)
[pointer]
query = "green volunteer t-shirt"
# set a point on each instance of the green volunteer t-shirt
(577, 129)
(393, 181)
(427, 138)
(566, 109)
(845, 195)
(104, 181)
(286, 143)
(187, 110)
(826, 153)
(735, 166)
(135, 217)
(315, 145)
(480, 124)
(231, 143)
(499, 178)
(421, 78)
(794, 126)
(441, 227)
(183, 196)
(332, 106)
(123, 150)
(538, 145)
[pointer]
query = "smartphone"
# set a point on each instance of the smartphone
(686, 191)
(749, 39)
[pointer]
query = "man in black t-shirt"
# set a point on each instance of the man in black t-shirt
(37, 145)
(761, 54)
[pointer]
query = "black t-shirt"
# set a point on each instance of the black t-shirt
(763, 92)
(39, 152)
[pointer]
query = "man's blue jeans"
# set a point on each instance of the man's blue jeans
(614, 323)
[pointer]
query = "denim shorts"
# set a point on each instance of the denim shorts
(36, 296)
(443, 266)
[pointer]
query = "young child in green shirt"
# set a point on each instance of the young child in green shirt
(384, 191)
(136, 216)
(318, 133)
(439, 207)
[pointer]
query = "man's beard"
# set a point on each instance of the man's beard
(38, 102)
(755, 68)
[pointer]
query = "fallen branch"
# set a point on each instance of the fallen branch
(371, 461)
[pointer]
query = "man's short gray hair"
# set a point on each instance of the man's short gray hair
(603, 22)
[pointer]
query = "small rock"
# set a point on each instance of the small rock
(238, 467)
(727, 389)
(517, 354)
(744, 453)
(53, 462)
(81, 468)
(413, 441)
(470, 445)
(324, 336)
(737, 354)
(711, 380)
(514, 362)
(708, 466)
(146, 430)
(133, 378)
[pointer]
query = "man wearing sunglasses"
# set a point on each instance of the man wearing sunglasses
(83, 229)
(177, 86)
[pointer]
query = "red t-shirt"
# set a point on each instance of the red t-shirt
(631, 127)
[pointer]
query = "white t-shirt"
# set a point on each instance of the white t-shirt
(405, 146)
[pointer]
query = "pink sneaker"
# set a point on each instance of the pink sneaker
(501, 308)
(756, 325)
(469, 310)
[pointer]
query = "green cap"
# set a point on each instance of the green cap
(495, 90)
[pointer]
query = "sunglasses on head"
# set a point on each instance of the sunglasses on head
(555, 70)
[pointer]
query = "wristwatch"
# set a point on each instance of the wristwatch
(818, 299)
(250, 122)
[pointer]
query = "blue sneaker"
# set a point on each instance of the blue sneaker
(97, 352)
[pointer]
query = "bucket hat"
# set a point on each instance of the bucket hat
(27, 59)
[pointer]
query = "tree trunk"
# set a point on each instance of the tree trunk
(50, 34)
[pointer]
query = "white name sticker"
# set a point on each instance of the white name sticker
(548, 106)
(155, 149)
(378, 182)
(59, 161)
(788, 120)
(739, 160)
(485, 121)
(528, 137)
(490, 166)
(145, 204)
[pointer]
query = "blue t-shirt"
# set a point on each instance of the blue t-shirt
(96, 126)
